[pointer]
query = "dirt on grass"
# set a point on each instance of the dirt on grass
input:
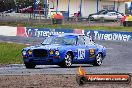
(51, 81)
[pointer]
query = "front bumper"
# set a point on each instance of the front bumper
(43, 61)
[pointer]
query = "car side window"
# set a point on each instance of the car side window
(113, 13)
(103, 13)
(109, 14)
(88, 41)
(81, 40)
(117, 14)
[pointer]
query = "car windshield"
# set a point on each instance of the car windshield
(59, 40)
(101, 11)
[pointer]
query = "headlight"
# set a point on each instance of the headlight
(57, 53)
(29, 52)
(24, 52)
(50, 52)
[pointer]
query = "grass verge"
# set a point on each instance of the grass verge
(10, 53)
(72, 26)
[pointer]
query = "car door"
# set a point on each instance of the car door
(108, 16)
(91, 49)
(81, 51)
(112, 16)
(102, 15)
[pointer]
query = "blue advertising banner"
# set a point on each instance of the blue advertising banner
(95, 34)
(108, 35)
(44, 32)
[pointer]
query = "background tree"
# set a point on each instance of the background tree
(6, 5)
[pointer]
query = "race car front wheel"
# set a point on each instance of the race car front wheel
(30, 65)
(98, 60)
(91, 18)
(67, 62)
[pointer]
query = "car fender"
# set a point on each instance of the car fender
(102, 51)
(62, 55)
(65, 52)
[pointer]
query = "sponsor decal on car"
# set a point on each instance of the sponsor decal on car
(81, 53)
(91, 53)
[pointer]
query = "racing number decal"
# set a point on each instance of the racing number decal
(91, 53)
(81, 53)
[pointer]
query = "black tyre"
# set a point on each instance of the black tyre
(98, 60)
(53, 21)
(117, 20)
(67, 62)
(30, 65)
(81, 80)
(90, 18)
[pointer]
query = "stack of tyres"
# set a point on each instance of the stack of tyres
(57, 19)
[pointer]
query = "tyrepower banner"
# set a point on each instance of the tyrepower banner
(108, 35)
(40, 32)
(95, 34)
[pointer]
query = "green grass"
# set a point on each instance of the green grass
(41, 25)
(10, 53)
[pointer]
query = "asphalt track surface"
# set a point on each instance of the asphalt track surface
(118, 60)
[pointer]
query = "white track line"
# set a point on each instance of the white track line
(109, 48)
(17, 43)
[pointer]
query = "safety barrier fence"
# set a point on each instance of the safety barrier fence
(44, 32)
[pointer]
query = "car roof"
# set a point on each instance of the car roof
(111, 12)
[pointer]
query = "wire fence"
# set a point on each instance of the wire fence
(41, 19)
(24, 17)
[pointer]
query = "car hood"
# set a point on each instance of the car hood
(55, 47)
(47, 47)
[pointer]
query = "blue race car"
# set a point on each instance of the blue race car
(64, 50)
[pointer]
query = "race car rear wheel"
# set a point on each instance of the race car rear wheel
(67, 61)
(98, 60)
(30, 65)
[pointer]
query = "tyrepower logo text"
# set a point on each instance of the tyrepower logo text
(101, 35)
(41, 33)
(112, 36)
